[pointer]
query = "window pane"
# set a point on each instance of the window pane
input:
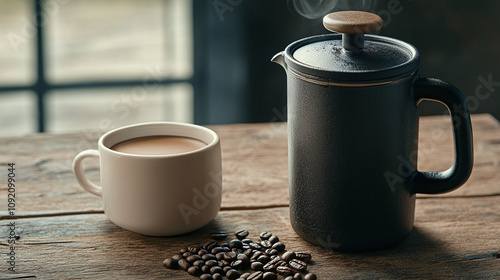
(105, 109)
(116, 39)
(178, 26)
(18, 41)
(17, 113)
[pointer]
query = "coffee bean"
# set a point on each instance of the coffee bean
(257, 266)
(297, 264)
(255, 246)
(297, 276)
(210, 245)
(226, 269)
(216, 250)
(224, 263)
(271, 251)
(256, 255)
(224, 244)
(246, 240)
(193, 258)
(207, 257)
(274, 257)
(245, 275)
(229, 256)
(241, 234)
(211, 263)
(265, 235)
(248, 252)
(257, 275)
(176, 257)
(206, 277)
(216, 269)
(263, 259)
(186, 254)
(220, 256)
(242, 257)
(170, 263)
(193, 248)
(183, 264)
(218, 235)
(266, 244)
(269, 267)
(289, 278)
(205, 269)
(194, 270)
(245, 260)
(288, 256)
(237, 264)
(269, 276)
(199, 263)
(303, 256)
(182, 251)
(232, 274)
(273, 239)
(273, 263)
(278, 246)
(285, 271)
(236, 250)
(235, 243)
(282, 263)
(310, 276)
(202, 252)
(216, 276)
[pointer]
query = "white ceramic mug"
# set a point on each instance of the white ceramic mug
(157, 195)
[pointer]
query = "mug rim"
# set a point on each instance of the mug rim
(191, 127)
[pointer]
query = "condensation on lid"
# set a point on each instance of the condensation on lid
(331, 56)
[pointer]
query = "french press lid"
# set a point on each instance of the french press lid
(352, 56)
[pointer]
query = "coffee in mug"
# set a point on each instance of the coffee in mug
(159, 145)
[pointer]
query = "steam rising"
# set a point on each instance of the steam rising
(314, 9)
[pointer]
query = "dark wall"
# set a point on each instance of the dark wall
(459, 43)
(457, 40)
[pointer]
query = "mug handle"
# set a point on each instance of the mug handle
(80, 174)
(459, 172)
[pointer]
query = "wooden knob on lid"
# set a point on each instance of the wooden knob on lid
(353, 22)
(353, 25)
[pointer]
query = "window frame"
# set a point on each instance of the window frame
(41, 86)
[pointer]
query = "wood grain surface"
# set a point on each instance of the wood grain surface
(64, 235)
(452, 237)
(254, 165)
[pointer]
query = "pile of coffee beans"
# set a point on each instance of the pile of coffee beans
(242, 258)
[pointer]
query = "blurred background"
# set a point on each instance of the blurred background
(75, 65)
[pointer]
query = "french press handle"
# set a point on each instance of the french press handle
(459, 172)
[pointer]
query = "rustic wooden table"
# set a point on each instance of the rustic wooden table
(63, 234)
